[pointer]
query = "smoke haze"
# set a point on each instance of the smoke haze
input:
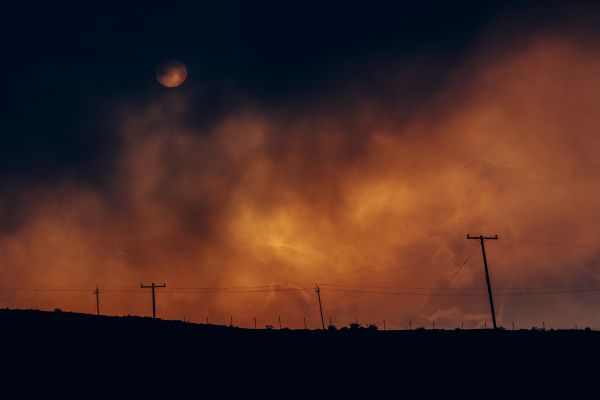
(367, 190)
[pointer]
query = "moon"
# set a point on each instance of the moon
(171, 73)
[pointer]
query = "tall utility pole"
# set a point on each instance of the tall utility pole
(153, 286)
(97, 292)
(482, 240)
(318, 290)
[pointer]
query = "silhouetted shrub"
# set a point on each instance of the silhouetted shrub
(57, 310)
(354, 325)
(372, 327)
(269, 327)
(331, 328)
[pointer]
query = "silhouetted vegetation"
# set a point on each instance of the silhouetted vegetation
(72, 338)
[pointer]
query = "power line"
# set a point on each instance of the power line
(528, 241)
(341, 287)
(454, 275)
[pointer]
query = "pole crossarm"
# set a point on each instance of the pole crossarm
(156, 285)
(153, 286)
(482, 237)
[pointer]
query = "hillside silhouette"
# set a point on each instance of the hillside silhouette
(118, 349)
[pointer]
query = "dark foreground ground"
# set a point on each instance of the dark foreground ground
(105, 353)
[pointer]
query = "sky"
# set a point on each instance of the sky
(352, 145)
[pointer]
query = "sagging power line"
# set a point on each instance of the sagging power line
(336, 287)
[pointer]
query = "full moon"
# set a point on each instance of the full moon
(171, 73)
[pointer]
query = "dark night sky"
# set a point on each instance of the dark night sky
(65, 66)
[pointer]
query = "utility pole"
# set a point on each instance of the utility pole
(482, 239)
(384, 324)
(318, 290)
(279, 318)
(153, 286)
(231, 321)
(254, 322)
(97, 292)
(304, 322)
(409, 325)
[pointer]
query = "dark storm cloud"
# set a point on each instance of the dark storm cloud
(65, 66)
(308, 140)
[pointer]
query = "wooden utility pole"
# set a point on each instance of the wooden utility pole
(384, 324)
(304, 322)
(153, 286)
(97, 292)
(318, 290)
(279, 319)
(482, 240)
(254, 322)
